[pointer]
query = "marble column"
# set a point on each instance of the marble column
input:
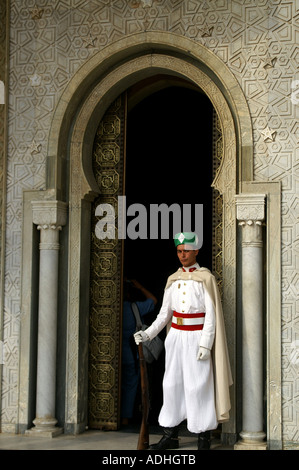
(49, 216)
(251, 214)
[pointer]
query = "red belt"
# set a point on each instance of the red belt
(180, 323)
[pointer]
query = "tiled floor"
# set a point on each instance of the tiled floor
(92, 440)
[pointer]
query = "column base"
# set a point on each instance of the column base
(251, 441)
(44, 427)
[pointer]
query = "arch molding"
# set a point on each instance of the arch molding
(234, 122)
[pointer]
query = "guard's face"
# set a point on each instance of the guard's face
(186, 257)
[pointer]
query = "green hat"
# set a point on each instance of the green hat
(186, 238)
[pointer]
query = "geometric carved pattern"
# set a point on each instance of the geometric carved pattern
(4, 37)
(103, 376)
(101, 404)
(107, 153)
(107, 263)
(106, 322)
(106, 275)
(256, 39)
(109, 181)
(102, 348)
(104, 291)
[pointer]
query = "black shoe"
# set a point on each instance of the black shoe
(168, 441)
(204, 441)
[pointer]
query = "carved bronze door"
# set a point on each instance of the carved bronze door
(106, 274)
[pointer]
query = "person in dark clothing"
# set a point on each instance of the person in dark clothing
(130, 367)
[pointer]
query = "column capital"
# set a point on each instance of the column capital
(250, 208)
(49, 213)
(250, 214)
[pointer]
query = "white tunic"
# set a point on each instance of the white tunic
(188, 384)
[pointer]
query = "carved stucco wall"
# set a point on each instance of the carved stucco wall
(51, 39)
(3, 143)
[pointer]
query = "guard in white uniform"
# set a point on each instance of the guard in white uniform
(188, 384)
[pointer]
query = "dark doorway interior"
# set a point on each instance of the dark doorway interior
(169, 160)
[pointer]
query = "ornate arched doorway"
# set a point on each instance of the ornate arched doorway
(169, 136)
(225, 183)
(104, 78)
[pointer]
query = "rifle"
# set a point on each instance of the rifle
(143, 441)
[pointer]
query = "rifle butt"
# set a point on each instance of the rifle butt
(143, 441)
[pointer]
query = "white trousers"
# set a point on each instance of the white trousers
(188, 384)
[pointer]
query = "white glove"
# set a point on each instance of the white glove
(203, 353)
(140, 337)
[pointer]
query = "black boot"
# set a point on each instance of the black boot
(204, 441)
(169, 440)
